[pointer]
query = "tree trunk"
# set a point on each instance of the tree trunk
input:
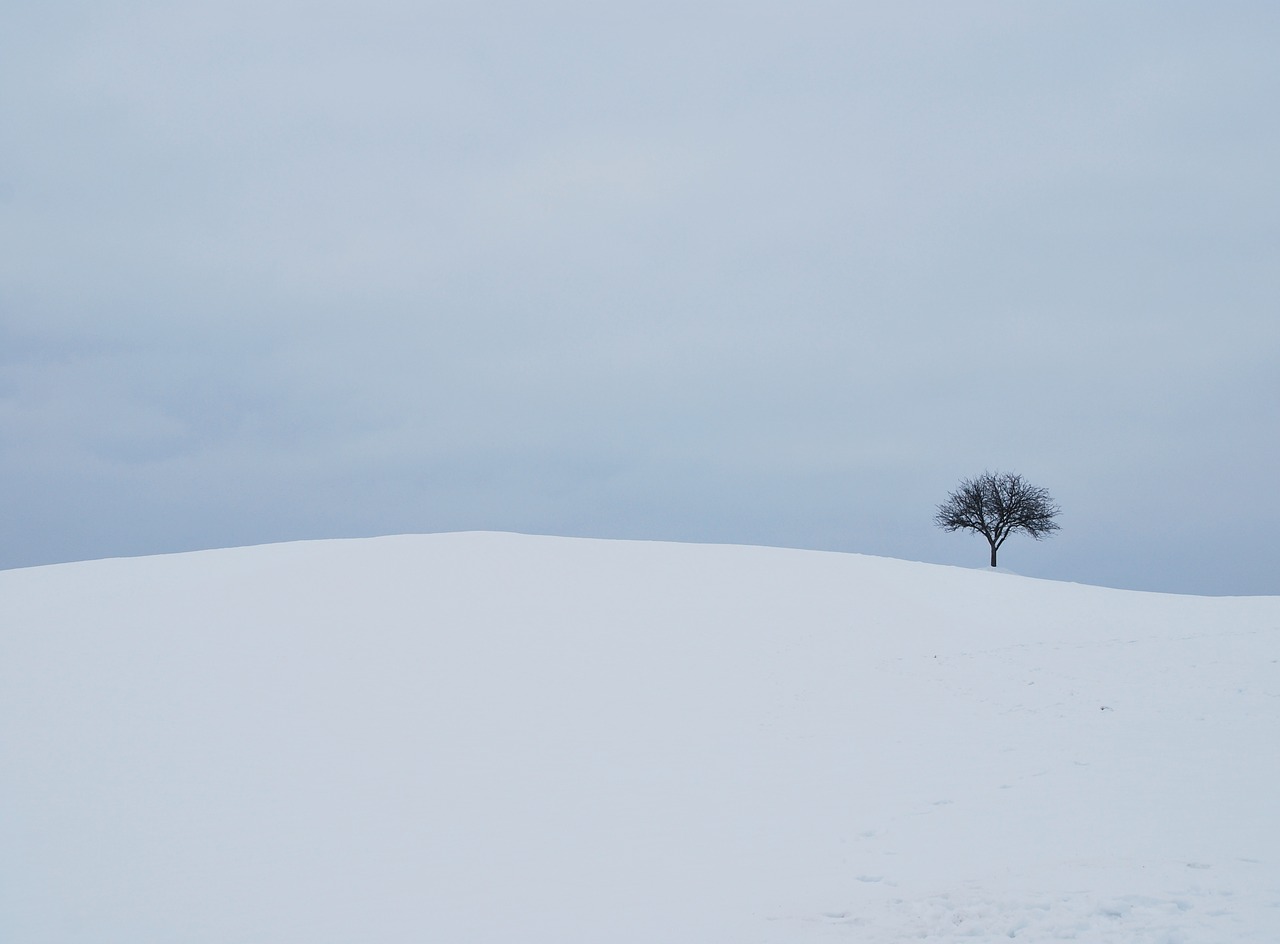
(993, 555)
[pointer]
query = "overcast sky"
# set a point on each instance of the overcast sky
(735, 272)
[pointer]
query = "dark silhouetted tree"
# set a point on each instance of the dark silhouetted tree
(995, 505)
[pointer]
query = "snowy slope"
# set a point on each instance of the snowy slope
(499, 738)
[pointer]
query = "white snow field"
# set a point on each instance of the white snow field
(459, 738)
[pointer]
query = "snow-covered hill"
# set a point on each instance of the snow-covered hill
(499, 738)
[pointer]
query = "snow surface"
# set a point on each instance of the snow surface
(501, 738)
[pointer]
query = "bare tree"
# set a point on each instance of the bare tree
(995, 505)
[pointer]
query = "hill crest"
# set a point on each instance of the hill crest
(480, 736)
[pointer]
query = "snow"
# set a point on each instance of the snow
(504, 738)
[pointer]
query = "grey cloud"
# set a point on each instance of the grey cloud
(699, 272)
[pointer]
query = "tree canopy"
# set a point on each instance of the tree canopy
(997, 504)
